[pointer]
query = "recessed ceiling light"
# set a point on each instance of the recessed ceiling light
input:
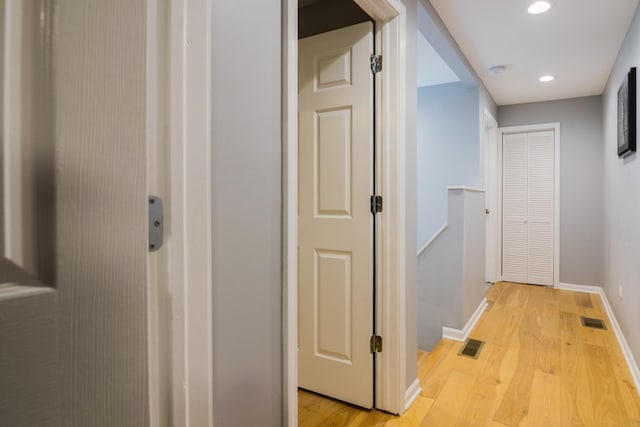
(540, 6)
(497, 69)
(546, 78)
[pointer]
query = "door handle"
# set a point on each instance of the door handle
(487, 211)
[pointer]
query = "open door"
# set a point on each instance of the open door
(335, 305)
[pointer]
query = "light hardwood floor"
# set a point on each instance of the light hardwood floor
(539, 367)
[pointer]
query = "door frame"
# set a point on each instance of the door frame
(556, 190)
(390, 18)
(490, 184)
(179, 70)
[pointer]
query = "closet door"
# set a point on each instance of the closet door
(527, 207)
(540, 187)
(514, 208)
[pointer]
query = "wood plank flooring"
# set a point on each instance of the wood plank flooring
(539, 367)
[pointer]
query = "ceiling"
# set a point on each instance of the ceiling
(576, 41)
(432, 70)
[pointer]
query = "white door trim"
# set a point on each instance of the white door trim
(556, 190)
(188, 212)
(390, 17)
(158, 313)
(491, 185)
(290, 212)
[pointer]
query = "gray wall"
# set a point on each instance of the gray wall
(473, 289)
(440, 277)
(246, 173)
(448, 150)
(581, 180)
(246, 153)
(451, 269)
(621, 203)
(432, 27)
(486, 101)
(411, 206)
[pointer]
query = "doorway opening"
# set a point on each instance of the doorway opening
(389, 17)
(336, 244)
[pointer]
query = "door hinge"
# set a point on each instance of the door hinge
(376, 344)
(376, 204)
(155, 223)
(376, 63)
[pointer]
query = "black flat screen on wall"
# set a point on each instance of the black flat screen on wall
(627, 115)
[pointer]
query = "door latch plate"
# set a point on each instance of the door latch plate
(156, 223)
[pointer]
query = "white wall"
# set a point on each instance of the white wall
(581, 180)
(621, 203)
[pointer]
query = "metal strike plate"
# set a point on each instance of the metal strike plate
(156, 223)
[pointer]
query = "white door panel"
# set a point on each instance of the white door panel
(335, 306)
(514, 249)
(514, 208)
(540, 151)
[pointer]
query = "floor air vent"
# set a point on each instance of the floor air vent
(592, 323)
(471, 348)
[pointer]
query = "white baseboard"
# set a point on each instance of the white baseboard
(626, 351)
(463, 334)
(411, 394)
(580, 288)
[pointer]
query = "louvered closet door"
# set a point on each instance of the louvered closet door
(528, 198)
(540, 208)
(514, 208)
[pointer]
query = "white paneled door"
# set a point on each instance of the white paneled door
(335, 262)
(528, 207)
